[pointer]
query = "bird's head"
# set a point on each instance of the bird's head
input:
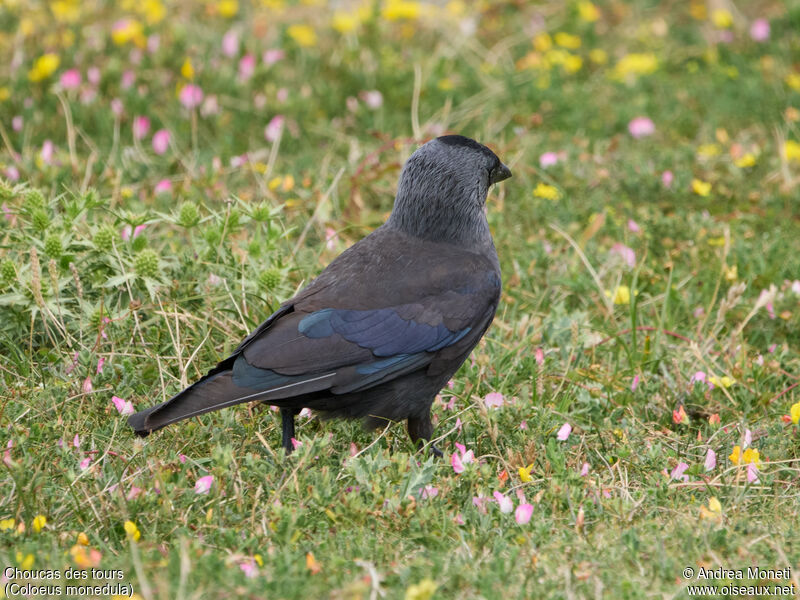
(443, 189)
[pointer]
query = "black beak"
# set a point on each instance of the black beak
(499, 173)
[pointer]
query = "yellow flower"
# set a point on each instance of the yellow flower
(187, 70)
(132, 530)
(794, 412)
(723, 381)
(714, 510)
(716, 241)
(44, 66)
(736, 456)
(25, 561)
(635, 64)
(154, 11)
(66, 11)
(39, 521)
(83, 539)
(748, 160)
(5, 94)
(345, 22)
(708, 150)
(259, 560)
(303, 35)
(791, 150)
(525, 473)
(701, 188)
(750, 455)
(731, 273)
(274, 183)
(573, 63)
(598, 56)
(456, 8)
(543, 42)
(793, 81)
(6, 524)
(424, 590)
(548, 192)
(588, 12)
(395, 10)
(127, 30)
(697, 8)
(621, 295)
(721, 18)
(228, 8)
(567, 40)
(84, 557)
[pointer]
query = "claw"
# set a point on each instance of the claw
(436, 452)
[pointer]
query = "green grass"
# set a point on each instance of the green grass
(352, 514)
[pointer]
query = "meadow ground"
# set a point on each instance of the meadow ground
(172, 171)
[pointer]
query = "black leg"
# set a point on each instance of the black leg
(287, 423)
(420, 430)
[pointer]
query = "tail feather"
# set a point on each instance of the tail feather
(214, 392)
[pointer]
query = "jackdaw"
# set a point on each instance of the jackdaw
(384, 327)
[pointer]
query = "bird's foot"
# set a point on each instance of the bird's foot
(436, 452)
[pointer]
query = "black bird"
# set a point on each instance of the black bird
(387, 323)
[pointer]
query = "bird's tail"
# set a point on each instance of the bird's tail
(210, 393)
(218, 390)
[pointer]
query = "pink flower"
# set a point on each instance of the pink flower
(584, 469)
(635, 383)
(523, 513)
(85, 463)
(87, 385)
(71, 79)
(230, 44)
(493, 400)
(548, 159)
(748, 438)
(461, 458)
(504, 502)
(282, 95)
(796, 287)
(759, 30)
(699, 376)
(331, 238)
(641, 127)
(203, 485)
(117, 107)
(127, 231)
(372, 98)
(270, 57)
(624, 252)
(480, 503)
(248, 567)
(752, 473)
(12, 173)
(296, 443)
(124, 407)
(93, 75)
(666, 178)
(141, 125)
(128, 79)
(16, 123)
(633, 226)
(48, 149)
(564, 432)
(273, 129)
(711, 460)
(247, 66)
(429, 491)
(161, 141)
(134, 492)
(538, 354)
(677, 472)
(100, 362)
(76, 441)
(459, 519)
(210, 106)
(191, 96)
(163, 187)
(523, 425)
(182, 458)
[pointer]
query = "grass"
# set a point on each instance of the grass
(621, 283)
